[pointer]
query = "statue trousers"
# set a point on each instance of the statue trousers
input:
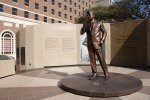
(93, 52)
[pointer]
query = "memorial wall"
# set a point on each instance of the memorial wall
(129, 43)
(48, 45)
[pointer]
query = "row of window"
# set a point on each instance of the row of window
(45, 8)
(76, 0)
(26, 3)
(26, 13)
(36, 16)
(53, 2)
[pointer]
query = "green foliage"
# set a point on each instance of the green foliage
(120, 11)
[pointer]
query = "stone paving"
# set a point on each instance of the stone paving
(42, 84)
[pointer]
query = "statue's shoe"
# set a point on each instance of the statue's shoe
(95, 75)
(107, 77)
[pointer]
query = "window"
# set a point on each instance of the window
(45, 19)
(59, 21)
(22, 55)
(75, 11)
(7, 43)
(36, 6)
(79, 13)
(79, 0)
(75, 4)
(45, 9)
(53, 2)
(59, 4)
(70, 17)
(45, 0)
(26, 14)
(15, 1)
(79, 6)
(53, 20)
(36, 17)
(86, 4)
(1, 8)
(14, 11)
(18, 55)
(75, 19)
(53, 11)
(71, 2)
(65, 7)
(59, 14)
(70, 9)
(65, 15)
(82, 1)
(26, 2)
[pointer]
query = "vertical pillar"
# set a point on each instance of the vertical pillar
(107, 44)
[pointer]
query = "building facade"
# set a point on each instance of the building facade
(105, 2)
(17, 14)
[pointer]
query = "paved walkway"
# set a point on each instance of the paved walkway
(42, 84)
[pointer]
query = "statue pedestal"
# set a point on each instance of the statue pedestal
(117, 85)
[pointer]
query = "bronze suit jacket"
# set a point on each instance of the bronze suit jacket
(95, 34)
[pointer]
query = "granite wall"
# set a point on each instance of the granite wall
(129, 43)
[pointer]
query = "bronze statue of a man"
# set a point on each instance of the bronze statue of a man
(96, 35)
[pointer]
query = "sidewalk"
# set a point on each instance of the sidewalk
(42, 84)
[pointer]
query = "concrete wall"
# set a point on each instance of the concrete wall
(129, 43)
(61, 44)
(49, 45)
(148, 41)
(7, 67)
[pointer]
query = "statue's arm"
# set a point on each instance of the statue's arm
(104, 33)
(82, 31)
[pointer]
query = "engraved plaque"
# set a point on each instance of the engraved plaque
(68, 44)
(52, 43)
(128, 43)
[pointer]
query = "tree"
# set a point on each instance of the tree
(141, 8)
(121, 11)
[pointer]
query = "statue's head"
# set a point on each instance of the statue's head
(90, 15)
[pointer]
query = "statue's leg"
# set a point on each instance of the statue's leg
(92, 60)
(93, 63)
(102, 62)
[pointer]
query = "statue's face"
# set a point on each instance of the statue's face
(91, 15)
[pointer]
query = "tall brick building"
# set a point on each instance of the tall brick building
(17, 14)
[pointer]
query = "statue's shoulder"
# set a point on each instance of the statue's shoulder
(99, 23)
